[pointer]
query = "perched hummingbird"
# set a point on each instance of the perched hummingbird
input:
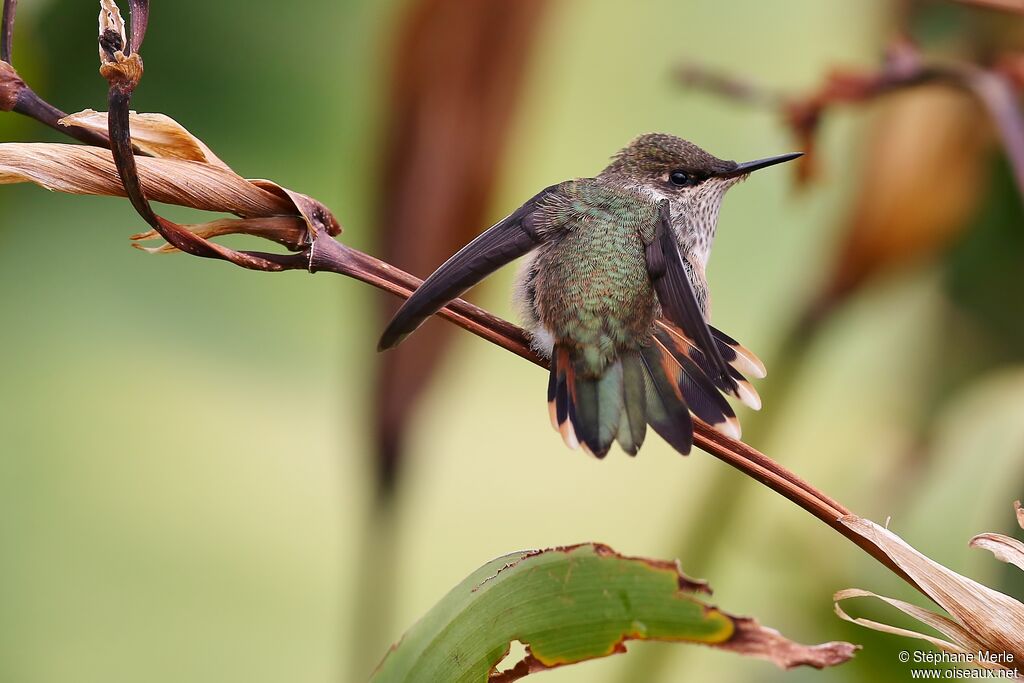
(613, 291)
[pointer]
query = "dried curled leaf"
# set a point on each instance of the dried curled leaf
(111, 21)
(1006, 549)
(157, 135)
(983, 619)
(287, 230)
(203, 183)
(571, 604)
(960, 640)
(180, 169)
(89, 170)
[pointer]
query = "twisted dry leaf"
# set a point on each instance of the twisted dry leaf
(111, 20)
(982, 620)
(1006, 549)
(287, 230)
(181, 170)
(89, 170)
(157, 135)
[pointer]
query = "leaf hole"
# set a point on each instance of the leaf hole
(517, 652)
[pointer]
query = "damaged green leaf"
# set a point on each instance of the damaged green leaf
(571, 604)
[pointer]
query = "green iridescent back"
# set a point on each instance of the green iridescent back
(593, 289)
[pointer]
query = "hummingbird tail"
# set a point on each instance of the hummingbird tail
(660, 384)
(593, 412)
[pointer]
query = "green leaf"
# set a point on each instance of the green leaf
(572, 604)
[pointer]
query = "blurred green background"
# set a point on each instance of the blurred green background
(185, 483)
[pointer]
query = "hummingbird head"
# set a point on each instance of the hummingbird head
(693, 181)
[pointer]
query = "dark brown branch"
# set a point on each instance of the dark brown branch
(123, 70)
(332, 256)
(7, 30)
(327, 254)
(33, 106)
(140, 21)
(16, 96)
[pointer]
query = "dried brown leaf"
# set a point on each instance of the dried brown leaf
(963, 642)
(291, 231)
(754, 640)
(155, 134)
(1006, 549)
(110, 20)
(192, 177)
(992, 619)
(89, 170)
(318, 217)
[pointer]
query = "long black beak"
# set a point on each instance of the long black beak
(749, 166)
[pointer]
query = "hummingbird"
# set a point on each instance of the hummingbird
(613, 292)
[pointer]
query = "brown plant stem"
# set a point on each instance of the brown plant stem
(16, 96)
(330, 255)
(33, 106)
(123, 69)
(7, 30)
(454, 83)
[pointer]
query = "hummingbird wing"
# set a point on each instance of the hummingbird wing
(507, 240)
(678, 302)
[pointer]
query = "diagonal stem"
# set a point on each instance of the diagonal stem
(33, 106)
(330, 255)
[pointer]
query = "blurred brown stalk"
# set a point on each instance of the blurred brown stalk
(456, 81)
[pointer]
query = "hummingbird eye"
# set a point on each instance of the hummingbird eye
(680, 178)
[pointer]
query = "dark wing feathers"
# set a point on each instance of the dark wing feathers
(698, 390)
(736, 358)
(737, 355)
(678, 303)
(506, 241)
